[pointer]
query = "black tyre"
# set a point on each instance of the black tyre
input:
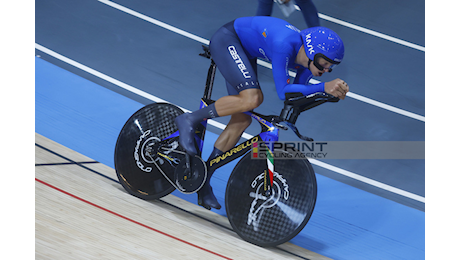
(270, 220)
(139, 151)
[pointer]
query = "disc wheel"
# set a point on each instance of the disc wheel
(142, 154)
(270, 219)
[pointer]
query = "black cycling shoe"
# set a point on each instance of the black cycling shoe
(186, 133)
(206, 198)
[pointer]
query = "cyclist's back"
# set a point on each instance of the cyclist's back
(265, 37)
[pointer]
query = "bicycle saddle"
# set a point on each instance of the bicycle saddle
(207, 52)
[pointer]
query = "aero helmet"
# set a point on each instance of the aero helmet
(322, 42)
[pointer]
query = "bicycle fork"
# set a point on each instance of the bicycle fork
(269, 136)
(269, 172)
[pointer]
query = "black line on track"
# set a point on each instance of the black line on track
(64, 163)
(174, 206)
(73, 162)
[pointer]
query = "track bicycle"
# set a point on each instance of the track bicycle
(268, 201)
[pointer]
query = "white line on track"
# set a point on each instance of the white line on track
(260, 62)
(368, 31)
(120, 84)
(222, 126)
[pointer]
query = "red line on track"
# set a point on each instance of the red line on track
(140, 224)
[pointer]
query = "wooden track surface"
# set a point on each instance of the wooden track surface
(82, 212)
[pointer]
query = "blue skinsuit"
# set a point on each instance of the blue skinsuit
(236, 46)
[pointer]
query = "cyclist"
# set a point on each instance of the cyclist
(235, 48)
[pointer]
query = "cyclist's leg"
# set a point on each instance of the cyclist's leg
(264, 8)
(242, 97)
(232, 133)
(239, 121)
(246, 100)
(206, 196)
(239, 71)
(309, 11)
(226, 140)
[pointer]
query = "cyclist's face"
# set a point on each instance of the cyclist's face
(303, 60)
(317, 72)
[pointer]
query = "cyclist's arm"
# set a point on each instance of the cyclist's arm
(303, 76)
(282, 80)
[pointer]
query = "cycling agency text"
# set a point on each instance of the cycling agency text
(289, 150)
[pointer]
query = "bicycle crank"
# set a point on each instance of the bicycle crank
(190, 174)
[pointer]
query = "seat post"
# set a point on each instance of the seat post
(210, 80)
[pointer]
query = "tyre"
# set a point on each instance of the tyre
(270, 220)
(143, 155)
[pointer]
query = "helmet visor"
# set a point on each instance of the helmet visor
(321, 67)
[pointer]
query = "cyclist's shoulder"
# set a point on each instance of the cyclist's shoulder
(275, 31)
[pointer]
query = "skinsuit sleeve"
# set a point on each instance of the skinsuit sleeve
(282, 79)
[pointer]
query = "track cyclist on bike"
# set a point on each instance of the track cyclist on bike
(235, 48)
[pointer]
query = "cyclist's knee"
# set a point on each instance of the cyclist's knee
(252, 98)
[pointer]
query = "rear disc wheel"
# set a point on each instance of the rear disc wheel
(142, 155)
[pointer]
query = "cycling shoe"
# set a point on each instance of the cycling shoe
(186, 133)
(206, 198)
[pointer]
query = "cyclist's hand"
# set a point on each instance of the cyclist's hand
(337, 88)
